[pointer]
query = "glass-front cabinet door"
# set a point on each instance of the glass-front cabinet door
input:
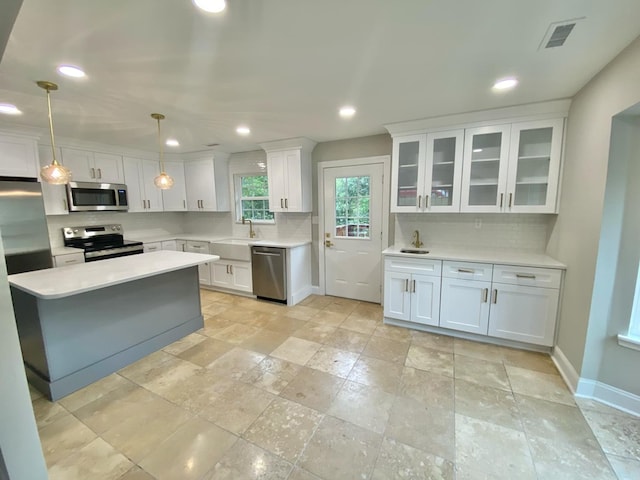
(534, 164)
(443, 171)
(484, 177)
(408, 173)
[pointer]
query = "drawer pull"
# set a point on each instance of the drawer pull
(286, 203)
(70, 261)
(426, 201)
(510, 198)
(501, 199)
(466, 270)
(525, 275)
(406, 285)
(419, 201)
(495, 295)
(485, 295)
(414, 287)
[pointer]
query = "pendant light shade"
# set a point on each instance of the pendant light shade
(53, 173)
(162, 181)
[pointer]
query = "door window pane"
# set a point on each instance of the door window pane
(352, 207)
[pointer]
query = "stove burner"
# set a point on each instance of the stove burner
(100, 242)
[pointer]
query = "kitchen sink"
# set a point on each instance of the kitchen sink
(232, 248)
(420, 251)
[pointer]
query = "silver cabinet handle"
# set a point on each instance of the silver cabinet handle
(495, 295)
(426, 201)
(99, 173)
(70, 261)
(286, 203)
(501, 199)
(231, 269)
(419, 201)
(64, 203)
(406, 284)
(485, 295)
(93, 172)
(266, 254)
(525, 275)
(510, 198)
(466, 270)
(281, 203)
(413, 290)
(184, 204)
(227, 268)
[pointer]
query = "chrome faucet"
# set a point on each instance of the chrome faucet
(416, 239)
(252, 234)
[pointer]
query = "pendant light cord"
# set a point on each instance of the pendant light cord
(161, 149)
(53, 142)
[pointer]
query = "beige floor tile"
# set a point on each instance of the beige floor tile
(483, 351)
(300, 474)
(482, 372)
(365, 326)
(236, 333)
(237, 407)
(540, 362)
(94, 391)
(213, 325)
(432, 341)
(284, 428)
(239, 313)
(296, 350)
(313, 389)
(377, 373)
(386, 349)
(246, 461)
(486, 403)
(397, 460)
(269, 308)
(166, 376)
(264, 341)
(365, 406)
(190, 452)
(137, 371)
(61, 438)
(47, 412)
(499, 452)
(618, 434)
(558, 460)
(272, 374)
(589, 404)
(399, 334)
(430, 360)
(197, 391)
(212, 309)
(96, 460)
(184, 343)
(564, 423)
(625, 468)
(539, 385)
(206, 351)
(283, 324)
(333, 360)
(330, 319)
(136, 473)
(339, 449)
(300, 312)
(315, 332)
(342, 305)
(316, 301)
(410, 419)
(33, 393)
(235, 363)
(428, 388)
(348, 340)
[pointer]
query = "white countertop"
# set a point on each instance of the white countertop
(292, 243)
(84, 277)
(65, 250)
(506, 257)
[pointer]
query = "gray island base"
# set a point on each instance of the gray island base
(72, 341)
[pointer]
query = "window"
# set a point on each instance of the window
(352, 207)
(252, 198)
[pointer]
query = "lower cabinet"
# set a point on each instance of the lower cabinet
(412, 290)
(232, 274)
(204, 269)
(68, 259)
(151, 247)
(170, 245)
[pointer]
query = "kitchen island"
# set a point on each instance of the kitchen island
(80, 323)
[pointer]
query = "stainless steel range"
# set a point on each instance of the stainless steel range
(100, 242)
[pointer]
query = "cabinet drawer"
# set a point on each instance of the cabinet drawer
(530, 276)
(152, 247)
(197, 247)
(467, 270)
(413, 265)
(68, 259)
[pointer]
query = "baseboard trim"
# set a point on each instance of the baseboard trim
(317, 290)
(567, 372)
(609, 395)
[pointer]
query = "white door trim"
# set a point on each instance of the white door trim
(386, 192)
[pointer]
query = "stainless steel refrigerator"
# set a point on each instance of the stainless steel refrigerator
(23, 225)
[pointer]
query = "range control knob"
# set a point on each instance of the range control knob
(75, 230)
(113, 227)
(118, 227)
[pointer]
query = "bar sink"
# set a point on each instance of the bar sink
(420, 251)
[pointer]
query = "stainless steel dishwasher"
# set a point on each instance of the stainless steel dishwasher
(269, 271)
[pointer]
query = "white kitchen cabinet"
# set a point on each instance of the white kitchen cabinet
(412, 290)
(232, 274)
(181, 245)
(18, 156)
(54, 196)
(207, 184)
(87, 166)
(289, 175)
(170, 245)
(68, 259)
(142, 193)
(427, 172)
(152, 247)
(204, 270)
(175, 198)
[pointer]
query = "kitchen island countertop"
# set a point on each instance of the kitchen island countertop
(74, 279)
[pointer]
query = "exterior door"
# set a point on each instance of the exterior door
(353, 231)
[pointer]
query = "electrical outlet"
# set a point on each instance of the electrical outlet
(478, 223)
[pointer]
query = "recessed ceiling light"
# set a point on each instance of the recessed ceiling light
(9, 109)
(505, 83)
(211, 6)
(71, 71)
(242, 130)
(172, 142)
(347, 112)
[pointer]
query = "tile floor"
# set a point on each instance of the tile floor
(324, 390)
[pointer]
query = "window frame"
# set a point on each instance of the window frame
(632, 337)
(237, 183)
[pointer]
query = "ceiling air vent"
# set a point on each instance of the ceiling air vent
(212, 145)
(557, 33)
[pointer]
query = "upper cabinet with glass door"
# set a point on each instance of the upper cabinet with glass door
(426, 172)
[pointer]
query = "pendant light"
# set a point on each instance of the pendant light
(55, 173)
(162, 181)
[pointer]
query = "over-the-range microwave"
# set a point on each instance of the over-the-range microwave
(96, 197)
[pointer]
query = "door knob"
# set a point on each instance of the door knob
(327, 243)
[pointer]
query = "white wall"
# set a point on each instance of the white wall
(19, 439)
(576, 234)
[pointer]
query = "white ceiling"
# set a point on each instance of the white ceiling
(284, 67)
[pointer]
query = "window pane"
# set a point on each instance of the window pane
(352, 207)
(253, 192)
